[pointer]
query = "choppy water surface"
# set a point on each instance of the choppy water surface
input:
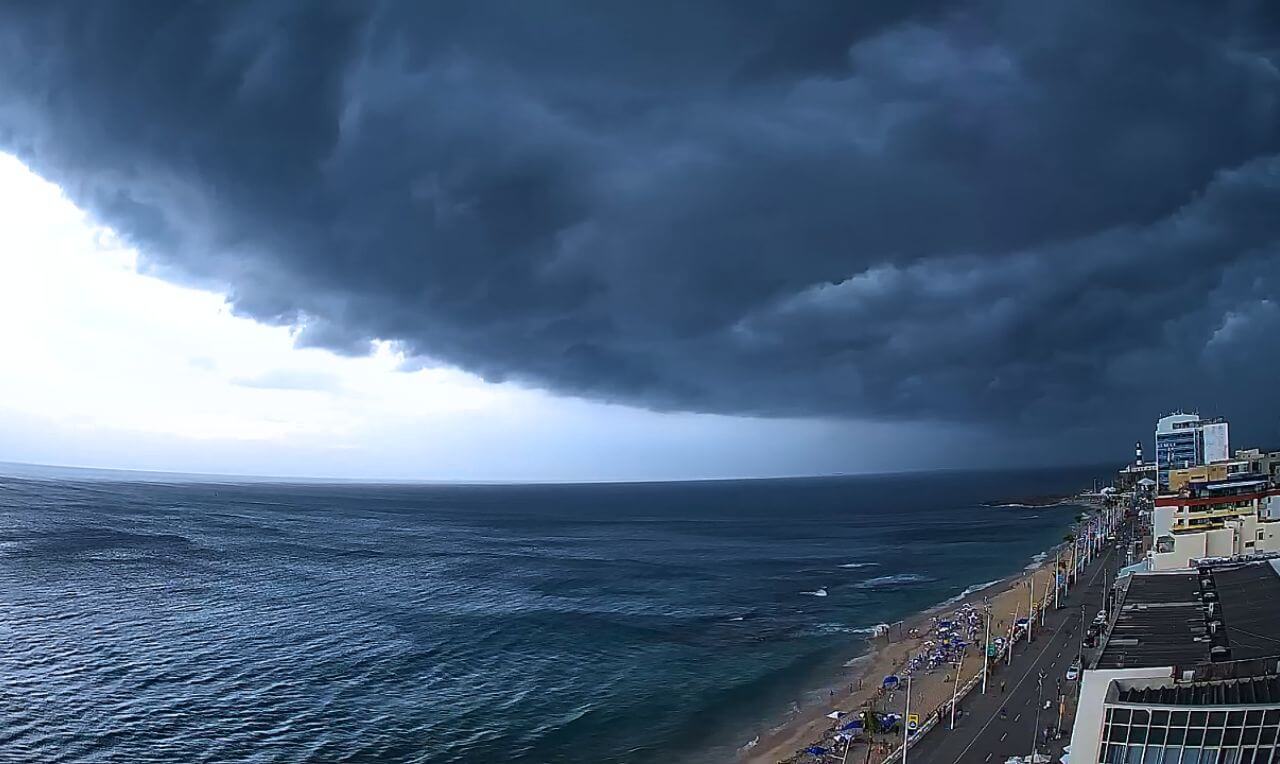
(178, 622)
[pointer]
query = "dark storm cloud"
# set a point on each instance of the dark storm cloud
(1032, 212)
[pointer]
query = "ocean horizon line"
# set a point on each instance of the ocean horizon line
(41, 471)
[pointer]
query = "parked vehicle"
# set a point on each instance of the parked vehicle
(1073, 671)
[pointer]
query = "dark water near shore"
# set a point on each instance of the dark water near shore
(264, 622)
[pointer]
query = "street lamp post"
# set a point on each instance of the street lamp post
(906, 722)
(1035, 732)
(1082, 628)
(955, 689)
(1008, 648)
(1057, 566)
(1031, 604)
(986, 649)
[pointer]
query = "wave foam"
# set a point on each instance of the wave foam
(859, 565)
(969, 590)
(897, 579)
(821, 592)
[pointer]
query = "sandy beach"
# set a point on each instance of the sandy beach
(1008, 600)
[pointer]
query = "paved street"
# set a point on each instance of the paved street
(981, 736)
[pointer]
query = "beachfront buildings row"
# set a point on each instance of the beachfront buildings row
(1205, 501)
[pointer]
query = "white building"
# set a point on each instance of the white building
(1238, 515)
(1189, 673)
(1187, 440)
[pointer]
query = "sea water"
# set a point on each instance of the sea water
(175, 621)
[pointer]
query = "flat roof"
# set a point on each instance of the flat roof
(1162, 618)
(1252, 614)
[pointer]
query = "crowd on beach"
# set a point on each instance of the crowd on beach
(943, 646)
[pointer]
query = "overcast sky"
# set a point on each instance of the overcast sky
(593, 240)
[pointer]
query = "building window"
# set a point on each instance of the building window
(1142, 736)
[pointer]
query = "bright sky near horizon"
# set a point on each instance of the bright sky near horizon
(107, 367)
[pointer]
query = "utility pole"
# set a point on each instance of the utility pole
(955, 689)
(986, 649)
(1035, 732)
(1104, 589)
(1044, 601)
(906, 716)
(1009, 644)
(1057, 566)
(1082, 628)
(1031, 604)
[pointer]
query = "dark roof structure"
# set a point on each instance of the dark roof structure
(1185, 619)
(1252, 612)
(1261, 691)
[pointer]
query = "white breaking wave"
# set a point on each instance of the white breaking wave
(968, 591)
(836, 628)
(1036, 560)
(894, 580)
(859, 565)
(821, 592)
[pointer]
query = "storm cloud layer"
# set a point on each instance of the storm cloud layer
(973, 211)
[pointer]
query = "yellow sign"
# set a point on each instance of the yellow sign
(913, 721)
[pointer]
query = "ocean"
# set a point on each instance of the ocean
(172, 621)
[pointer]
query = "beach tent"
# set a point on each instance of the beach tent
(856, 724)
(835, 714)
(815, 750)
(891, 681)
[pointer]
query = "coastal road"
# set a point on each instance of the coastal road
(981, 736)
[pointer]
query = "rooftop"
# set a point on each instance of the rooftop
(1257, 690)
(1165, 619)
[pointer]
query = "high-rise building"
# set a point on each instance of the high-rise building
(1185, 440)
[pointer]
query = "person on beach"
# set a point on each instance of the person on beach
(1002, 687)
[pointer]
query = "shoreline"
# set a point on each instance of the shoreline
(885, 655)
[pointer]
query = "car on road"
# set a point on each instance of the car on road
(1073, 671)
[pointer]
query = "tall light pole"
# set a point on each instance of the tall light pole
(1035, 732)
(1057, 566)
(1082, 628)
(955, 689)
(986, 649)
(1008, 648)
(906, 723)
(1031, 604)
